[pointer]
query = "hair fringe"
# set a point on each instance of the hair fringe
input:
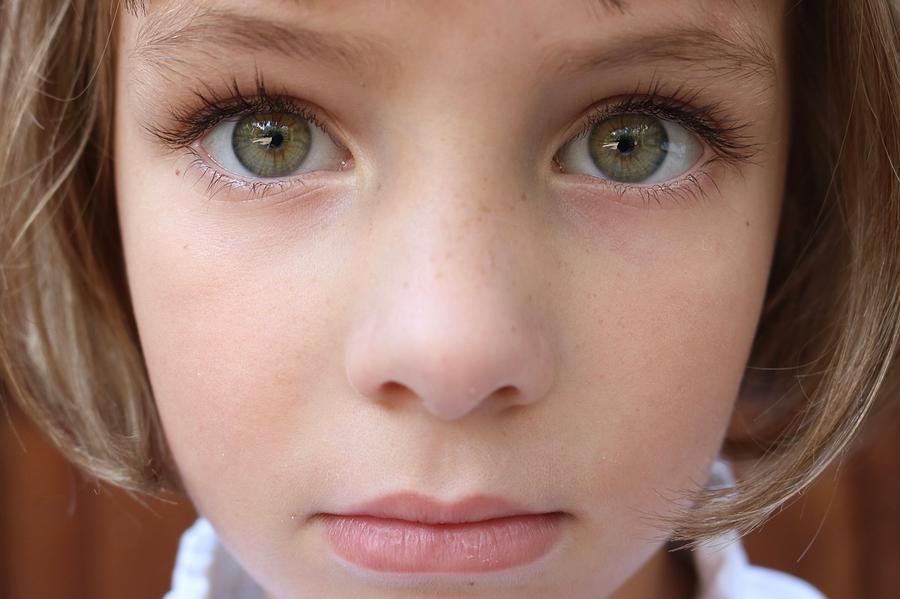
(834, 296)
(69, 354)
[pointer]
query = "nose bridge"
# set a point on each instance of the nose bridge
(449, 316)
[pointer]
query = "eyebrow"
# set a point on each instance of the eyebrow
(745, 55)
(164, 37)
(138, 7)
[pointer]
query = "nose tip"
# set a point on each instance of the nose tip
(451, 371)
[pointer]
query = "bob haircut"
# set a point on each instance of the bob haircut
(824, 358)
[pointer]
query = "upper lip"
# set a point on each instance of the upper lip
(416, 507)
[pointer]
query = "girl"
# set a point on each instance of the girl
(454, 299)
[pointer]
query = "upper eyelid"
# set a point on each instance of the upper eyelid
(247, 106)
(600, 112)
(722, 133)
(287, 105)
(726, 138)
(190, 124)
(318, 117)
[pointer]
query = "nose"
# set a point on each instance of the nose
(449, 318)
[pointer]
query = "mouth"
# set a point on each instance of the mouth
(412, 533)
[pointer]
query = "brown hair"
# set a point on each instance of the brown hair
(825, 352)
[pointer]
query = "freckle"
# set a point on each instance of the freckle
(748, 223)
(177, 172)
(524, 197)
(184, 247)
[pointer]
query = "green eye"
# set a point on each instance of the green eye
(628, 148)
(271, 144)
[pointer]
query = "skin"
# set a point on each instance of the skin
(449, 313)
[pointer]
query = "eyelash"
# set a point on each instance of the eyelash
(723, 134)
(191, 123)
(726, 136)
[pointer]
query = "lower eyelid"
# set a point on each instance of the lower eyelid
(220, 182)
(695, 185)
(689, 187)
(218, 179)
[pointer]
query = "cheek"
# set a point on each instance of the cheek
(660, 308)
(237, 324)
(677, 354)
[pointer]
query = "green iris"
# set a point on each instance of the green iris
(628, 148)
(271, 144)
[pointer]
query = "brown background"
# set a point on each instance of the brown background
(64, 537)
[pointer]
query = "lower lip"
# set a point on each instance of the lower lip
(387, 545)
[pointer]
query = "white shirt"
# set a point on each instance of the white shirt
(205, 570)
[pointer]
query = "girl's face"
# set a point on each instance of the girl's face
(454, 249)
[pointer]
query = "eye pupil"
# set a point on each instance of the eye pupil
(276, 140)
(626, 145)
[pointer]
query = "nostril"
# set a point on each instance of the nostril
(391, 387)
(506, 390)
(508, 396)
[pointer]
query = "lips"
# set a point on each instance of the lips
(408, 532)
(419, 508)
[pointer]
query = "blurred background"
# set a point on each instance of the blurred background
(63, 536)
